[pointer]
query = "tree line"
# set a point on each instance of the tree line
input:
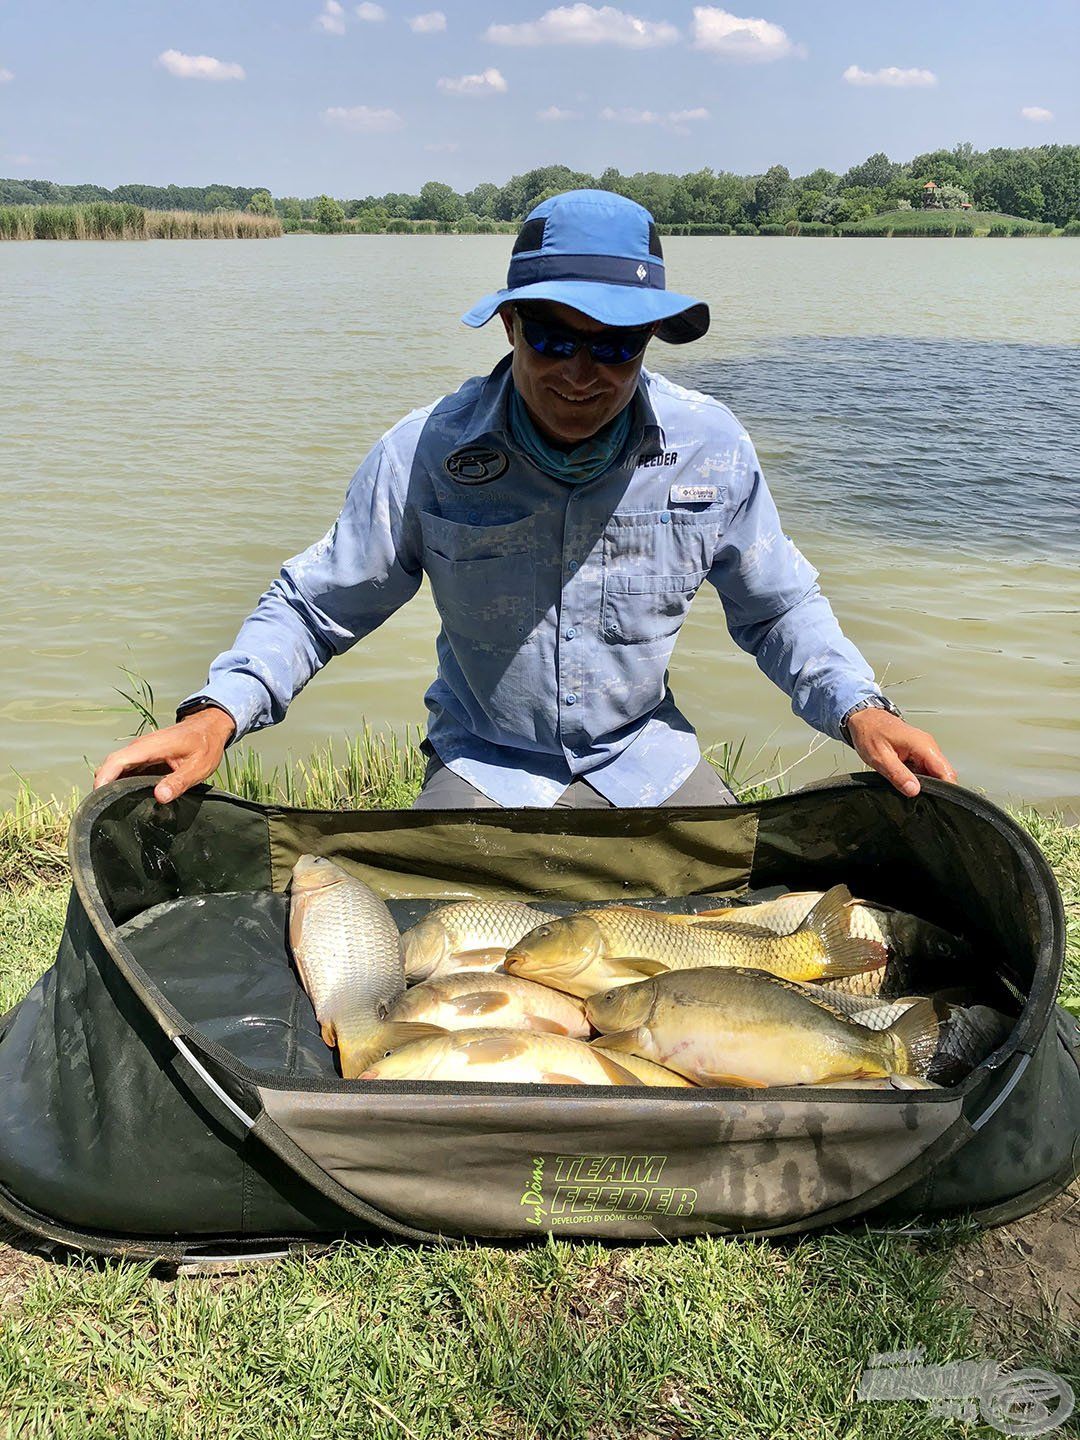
(1040, 183)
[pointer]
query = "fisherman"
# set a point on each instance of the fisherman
(565, 509)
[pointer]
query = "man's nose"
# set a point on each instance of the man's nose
(580, 369)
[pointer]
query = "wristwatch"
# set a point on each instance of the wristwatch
(872, 702)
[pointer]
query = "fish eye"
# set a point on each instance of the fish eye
(544, 930)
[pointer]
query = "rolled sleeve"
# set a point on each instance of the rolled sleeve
(776, 612)
(324, 600)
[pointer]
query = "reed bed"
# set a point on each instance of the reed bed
(109, 220)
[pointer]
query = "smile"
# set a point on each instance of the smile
(587, 400)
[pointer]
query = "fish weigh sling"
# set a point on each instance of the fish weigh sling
(468, 935)
(733, 1026)
(349, 956)
(594, 950)
(513, 1057)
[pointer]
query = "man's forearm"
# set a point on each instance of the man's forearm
(804, 651)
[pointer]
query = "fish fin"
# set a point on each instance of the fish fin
(733, 1082)
(617, 1040)
(552, 1077)
(808, 992)
(615, 1072)
(480, 1002)
(638, 965)
(829, 921)
(544, 1026)
(731, 926)
(329, 1034)
(491, 1049)
(915, 1037)
(477, 959)
(396, 1033)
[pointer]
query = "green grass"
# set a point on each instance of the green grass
(711, 1339)
(930, 222)
(108, 220)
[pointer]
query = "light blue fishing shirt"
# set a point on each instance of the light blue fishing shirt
(560, 603)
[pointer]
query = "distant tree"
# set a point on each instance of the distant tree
(876, 171)
(261, 203)
(216, 197)
(440, 203)
(951, 197)
(329, 216)
(773, 192)
(481, 200)
(289, 208)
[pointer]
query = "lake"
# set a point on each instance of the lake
(178, 417)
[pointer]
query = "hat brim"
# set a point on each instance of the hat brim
(681, 318)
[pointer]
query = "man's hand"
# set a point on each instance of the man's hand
(186, 752)
(897, 750)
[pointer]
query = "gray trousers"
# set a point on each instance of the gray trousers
(443, 790)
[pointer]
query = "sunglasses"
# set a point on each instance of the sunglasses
(607, 347)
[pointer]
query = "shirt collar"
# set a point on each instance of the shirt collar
(490, 422)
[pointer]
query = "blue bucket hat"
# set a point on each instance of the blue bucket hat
(599, 253)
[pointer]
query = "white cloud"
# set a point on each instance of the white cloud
(1029, 112)
(362, 118)
(199, 67)
(890, 75)
(332, 19)
(675, 120)
(585, 25)
(368, 11)
(488, 82)
(429, 24)
(6, 75)
(443, 147)
(553, 113)
(739, 38)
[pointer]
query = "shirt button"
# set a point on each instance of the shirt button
(474, 517)
(572, 566)
(569, 634)
(571, 699)
(665, 518)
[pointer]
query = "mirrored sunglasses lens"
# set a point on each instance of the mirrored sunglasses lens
(546, 340)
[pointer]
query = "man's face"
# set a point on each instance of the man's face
(571, 399)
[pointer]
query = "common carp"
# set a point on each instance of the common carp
(468, 935)
(902, 934)
(485, 1000)
(349, 955)
(733, 1026)
(594, 950)
(513, 1057)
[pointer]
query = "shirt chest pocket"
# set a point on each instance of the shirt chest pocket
(483, 578)
(653, 566)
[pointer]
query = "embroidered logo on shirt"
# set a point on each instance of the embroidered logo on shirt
(694, 494)
(664, 457)
(475, 464)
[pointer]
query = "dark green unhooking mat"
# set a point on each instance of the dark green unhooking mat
(164, 1089)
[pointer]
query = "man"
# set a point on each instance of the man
(565, 509)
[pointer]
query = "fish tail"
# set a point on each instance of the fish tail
(914, 1038)
(844, 954)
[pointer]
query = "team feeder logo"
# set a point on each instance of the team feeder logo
(475, 464)
(578, 1189)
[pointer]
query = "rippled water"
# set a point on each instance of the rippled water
(176, 418)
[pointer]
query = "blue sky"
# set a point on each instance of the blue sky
(309, 95)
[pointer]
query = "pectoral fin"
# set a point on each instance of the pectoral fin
(637, 967)
(480, 1002)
